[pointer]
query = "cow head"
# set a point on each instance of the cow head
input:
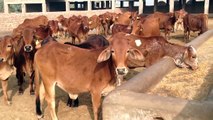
(137, 27)
(28, 38)
(6, 49)
(85, 23)
(119, 50)
(54, 27)
(188, 59)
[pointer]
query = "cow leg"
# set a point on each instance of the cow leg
(50, 97)
(39, 100)
(32, 92)
(73, 40)
(79, 39)
(73, 100)
(105, 30)
(4, 87)
(98, 30)
(20, 77)
(96, 100)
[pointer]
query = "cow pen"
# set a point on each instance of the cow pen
(129, 101)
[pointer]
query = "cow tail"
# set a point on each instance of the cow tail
(37, 86)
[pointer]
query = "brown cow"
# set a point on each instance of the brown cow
(147, 26)
(24, 55)
(107, 19)
(126, 18)
(54, 28)
(179, 19)
(63, 24)
(82, 70)
(34, 22)
(93, 42)
(6, 64)
(166, 22)
(95, 23)
(121, 28)
(78, 28)
(195, 23)
(155, 47)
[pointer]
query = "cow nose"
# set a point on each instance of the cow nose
(85, 27)
(1, 60)
(121, 71)
(28, 48)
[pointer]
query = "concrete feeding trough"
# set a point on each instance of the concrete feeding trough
(129, 101)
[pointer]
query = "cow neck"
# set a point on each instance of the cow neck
(173, 50)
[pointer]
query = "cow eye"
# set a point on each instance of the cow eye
(112, 51)
(128, 51)
(194, 56)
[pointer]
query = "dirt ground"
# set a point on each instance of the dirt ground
(196, 85)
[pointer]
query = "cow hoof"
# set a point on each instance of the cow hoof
(72, 103)
(40, 116)
(76, 103)
(20, 92)
(32, 93)
(9, 103)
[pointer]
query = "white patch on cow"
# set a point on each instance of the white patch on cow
(127, 34)
(138, 42)
(90, 22)
(73, 96)
(37, 42)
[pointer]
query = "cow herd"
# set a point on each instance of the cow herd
(94, 62)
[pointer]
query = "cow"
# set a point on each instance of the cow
(95, 23)
(155, 47)
(82, 70)
(194, 23)
(107, 19)
(24, 56)
(78, 28)
(126, 17)
(166, 22)
(33, 23)
(147, 26)
(93, 42)
(179, 19)
(63, 24)
(121, 28)
(6, 64)
(54, 28)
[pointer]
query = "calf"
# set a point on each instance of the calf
(24, 55)
(93, 42)
(147, 26)
(166, 22)
(179, 19)
(33, 23)
(121, 28)
(6, 63)
(95, 23)
(82, 70)
(155, 47)
(194, 23)
(78, 28)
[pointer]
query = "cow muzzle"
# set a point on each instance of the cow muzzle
(28, 48)
(121, 71)
(1, 60)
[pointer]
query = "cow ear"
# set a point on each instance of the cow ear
(104, 55)
(136, 54)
